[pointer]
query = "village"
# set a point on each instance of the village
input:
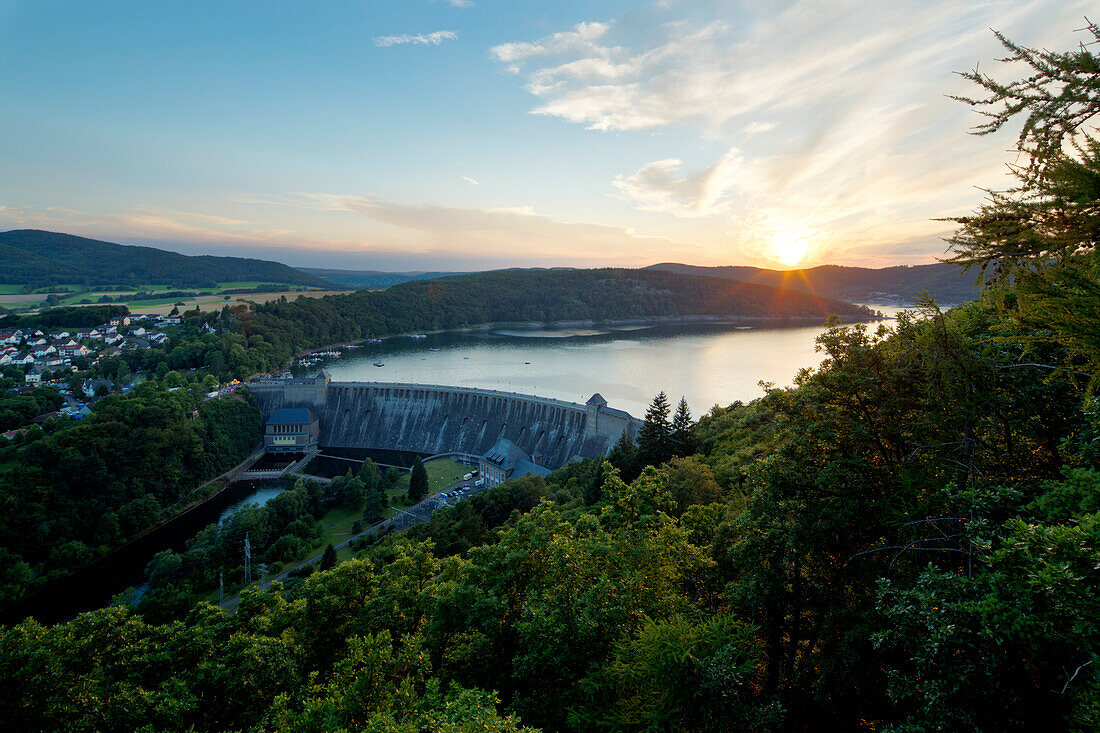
(54, 357)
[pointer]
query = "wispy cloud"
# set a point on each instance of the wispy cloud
(420, 39)
(833, 116)
(471, 181)
(459, 3)
(509, 234)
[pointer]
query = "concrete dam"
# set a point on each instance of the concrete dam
(434, 419)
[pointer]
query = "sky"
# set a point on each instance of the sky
(474, 134)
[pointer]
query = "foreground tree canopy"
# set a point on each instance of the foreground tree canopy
(907, 540)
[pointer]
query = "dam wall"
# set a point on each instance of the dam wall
(439, 419)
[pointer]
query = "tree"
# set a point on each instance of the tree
(418, 482)
(1038, 239)
(328, 559)
(655, 436)
(683, 430)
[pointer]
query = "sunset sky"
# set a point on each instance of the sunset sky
(467, 134)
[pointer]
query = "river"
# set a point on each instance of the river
(708, 364)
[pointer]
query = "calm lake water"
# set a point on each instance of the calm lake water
(706, 363)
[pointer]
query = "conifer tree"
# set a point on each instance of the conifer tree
(655, 437)
(328, 559)
(418, 482)
(623, 456)
(683, 430)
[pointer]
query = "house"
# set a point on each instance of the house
(72, 351)
(91, 385)
(34, 376)
(139, 331)
(44, 350)
(291, 430)
(134, 344)
(158, 337)
(169, 320)
(12, 434)
(120, 321)
(23, 359)
(506, 460)
(111, 339)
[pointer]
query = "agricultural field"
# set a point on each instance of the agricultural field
(11, 297)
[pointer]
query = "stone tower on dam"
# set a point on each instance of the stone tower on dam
(436, 419)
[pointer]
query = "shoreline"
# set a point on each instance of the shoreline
(612, 323)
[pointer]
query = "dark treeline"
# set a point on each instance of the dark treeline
(67, 316)
(907, 539)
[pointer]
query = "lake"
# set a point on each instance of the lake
(706, 363)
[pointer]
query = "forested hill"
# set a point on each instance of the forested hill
(948, 283)
(529, 296)
(41, 258)
(372, 279)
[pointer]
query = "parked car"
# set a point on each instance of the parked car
(479, 483)
(467, 477)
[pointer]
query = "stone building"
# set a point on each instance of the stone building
(291, 430)
(506, 460)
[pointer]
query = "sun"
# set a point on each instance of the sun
(790, 246)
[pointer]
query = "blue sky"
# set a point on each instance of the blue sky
(463, 134)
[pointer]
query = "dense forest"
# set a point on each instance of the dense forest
(82, 488)
(902, 284)
(524, 296)
(40, 258)
(371, 279)
(907, 539)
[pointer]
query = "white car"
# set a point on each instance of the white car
(467, 477)
(479, 483)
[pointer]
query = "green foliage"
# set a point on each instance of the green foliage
(418, 482)
(328, 559)
(38, 257)
(92, 484)
(655, 436)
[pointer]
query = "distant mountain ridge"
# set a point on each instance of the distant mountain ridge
(36, 257)
(372, 279)
(901, 284)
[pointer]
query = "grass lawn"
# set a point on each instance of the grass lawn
(441, 474)
(9, 289)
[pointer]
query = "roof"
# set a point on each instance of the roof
(522, 468)
(596, 399)
(290, 416)
(510, 457)
(505, 453)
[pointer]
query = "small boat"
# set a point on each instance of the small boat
(378, 363)
(526, 362)
(433, 349)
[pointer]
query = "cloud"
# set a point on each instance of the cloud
(420, 39)
(471, 181)
(459, 3)
(828, 121)
(658, 186)
(509, 235)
